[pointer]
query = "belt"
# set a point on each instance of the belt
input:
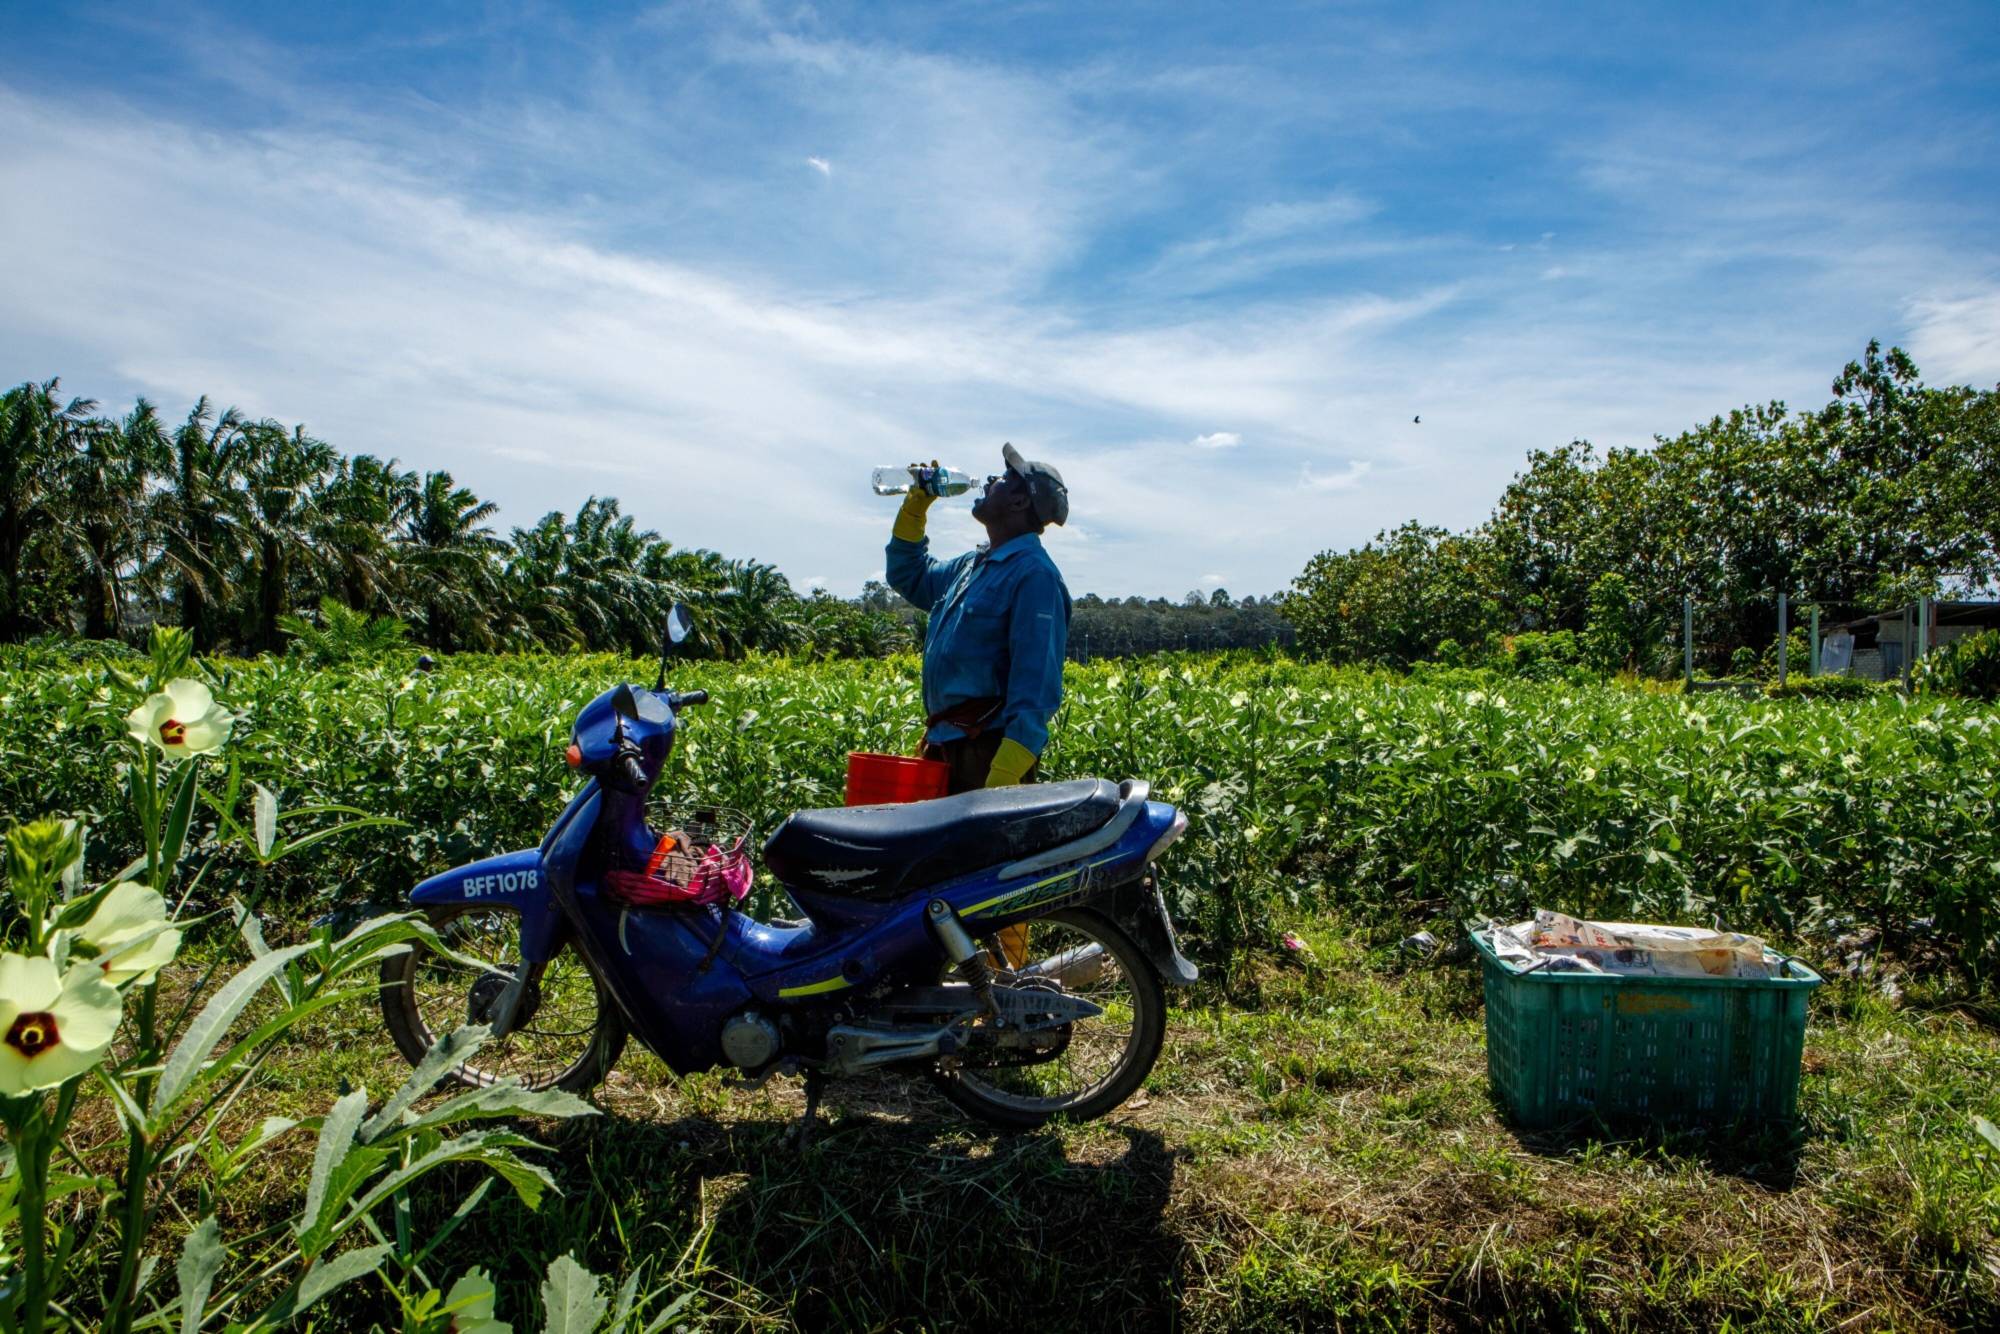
(971, 716)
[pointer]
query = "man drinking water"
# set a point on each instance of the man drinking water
(999, 626)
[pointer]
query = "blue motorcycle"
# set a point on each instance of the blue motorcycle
(1010, 944)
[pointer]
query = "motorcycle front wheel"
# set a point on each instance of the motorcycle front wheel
(1101, 1060)
(567, 1034)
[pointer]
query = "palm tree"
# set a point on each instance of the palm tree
(591, 579)
(105, 520)
(200, 515)
(757, 609)
(448, 554)
(534, 571)
(361, 507)
(39, 435)
(604, 557)
(282, 474)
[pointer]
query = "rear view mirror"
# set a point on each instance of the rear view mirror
(680, 624)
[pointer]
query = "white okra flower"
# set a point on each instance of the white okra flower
(183, 719)
(130, 934)
(51, 1028)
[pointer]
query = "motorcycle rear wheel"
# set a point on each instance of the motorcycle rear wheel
(570, 1038)
(1104, 1059)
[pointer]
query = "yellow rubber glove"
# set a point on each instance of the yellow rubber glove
(910, 518)
(1013, 944)
(1010, 764)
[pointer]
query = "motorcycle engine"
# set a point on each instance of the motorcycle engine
(749, 1040)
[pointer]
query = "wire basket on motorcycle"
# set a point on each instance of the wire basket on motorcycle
(702, 857)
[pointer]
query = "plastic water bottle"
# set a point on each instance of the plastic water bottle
(897, 481)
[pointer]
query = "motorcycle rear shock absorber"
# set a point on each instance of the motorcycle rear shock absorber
(963, 951)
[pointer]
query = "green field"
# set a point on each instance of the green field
(1317, 1147)
(1393, 800)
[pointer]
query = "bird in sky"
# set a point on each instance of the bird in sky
(1417, 419)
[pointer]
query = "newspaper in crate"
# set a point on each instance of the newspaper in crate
(1557, 942)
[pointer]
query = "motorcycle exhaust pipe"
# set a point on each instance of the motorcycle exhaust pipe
(1073, 968)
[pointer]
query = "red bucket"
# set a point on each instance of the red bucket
(879, 780)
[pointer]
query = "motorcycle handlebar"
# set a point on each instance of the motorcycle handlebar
(683, 698)
(634, 772)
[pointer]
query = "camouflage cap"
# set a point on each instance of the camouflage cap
(1045, 486)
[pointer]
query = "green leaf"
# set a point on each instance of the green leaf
(272, 1027)
(670, 1313)
(212, 1024)
(503, 1100)
(201, 1260)
(264, 806)
(572, 1298)
(318, 1232)
(446, 1054)
(80, 910)
(628, 1293)
(321, 835)
(336, 1136)
(1987, 1131)
(343, 1268)
(271, 1129)
(492, 1149)
(180, 814)
(250, 927)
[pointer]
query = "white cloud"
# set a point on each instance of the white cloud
(732, 364)
(1957, 339)
(1269, 238)
(1344, 480)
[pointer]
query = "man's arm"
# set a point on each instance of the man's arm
(910, 569)
(1037, 639)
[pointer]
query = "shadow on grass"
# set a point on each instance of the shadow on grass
(1762, 1154)
(904, 1217)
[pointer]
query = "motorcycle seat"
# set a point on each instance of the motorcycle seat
(883, 852)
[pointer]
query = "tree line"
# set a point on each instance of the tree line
(1890, 490)
(248, 533)
(253, 535)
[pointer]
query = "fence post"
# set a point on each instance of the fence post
(1687, 641)
(1907, 646)
(1923, 625)
(1812, 651)
(1784, 637)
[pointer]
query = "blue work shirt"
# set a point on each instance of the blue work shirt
(999, 627)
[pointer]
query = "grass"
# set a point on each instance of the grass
(1317, 1151)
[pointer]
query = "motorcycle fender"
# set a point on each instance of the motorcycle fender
(515, 879)
(1138, 908)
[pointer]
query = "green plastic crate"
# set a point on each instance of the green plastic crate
(1568, 1047)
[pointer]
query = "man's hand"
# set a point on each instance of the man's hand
(926, 476)
(1010, 764)
(916, 503)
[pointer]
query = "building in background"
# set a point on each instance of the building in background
(1879, 647)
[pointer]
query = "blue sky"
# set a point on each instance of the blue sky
(721, 259)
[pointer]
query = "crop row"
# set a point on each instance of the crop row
(1307, 786)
